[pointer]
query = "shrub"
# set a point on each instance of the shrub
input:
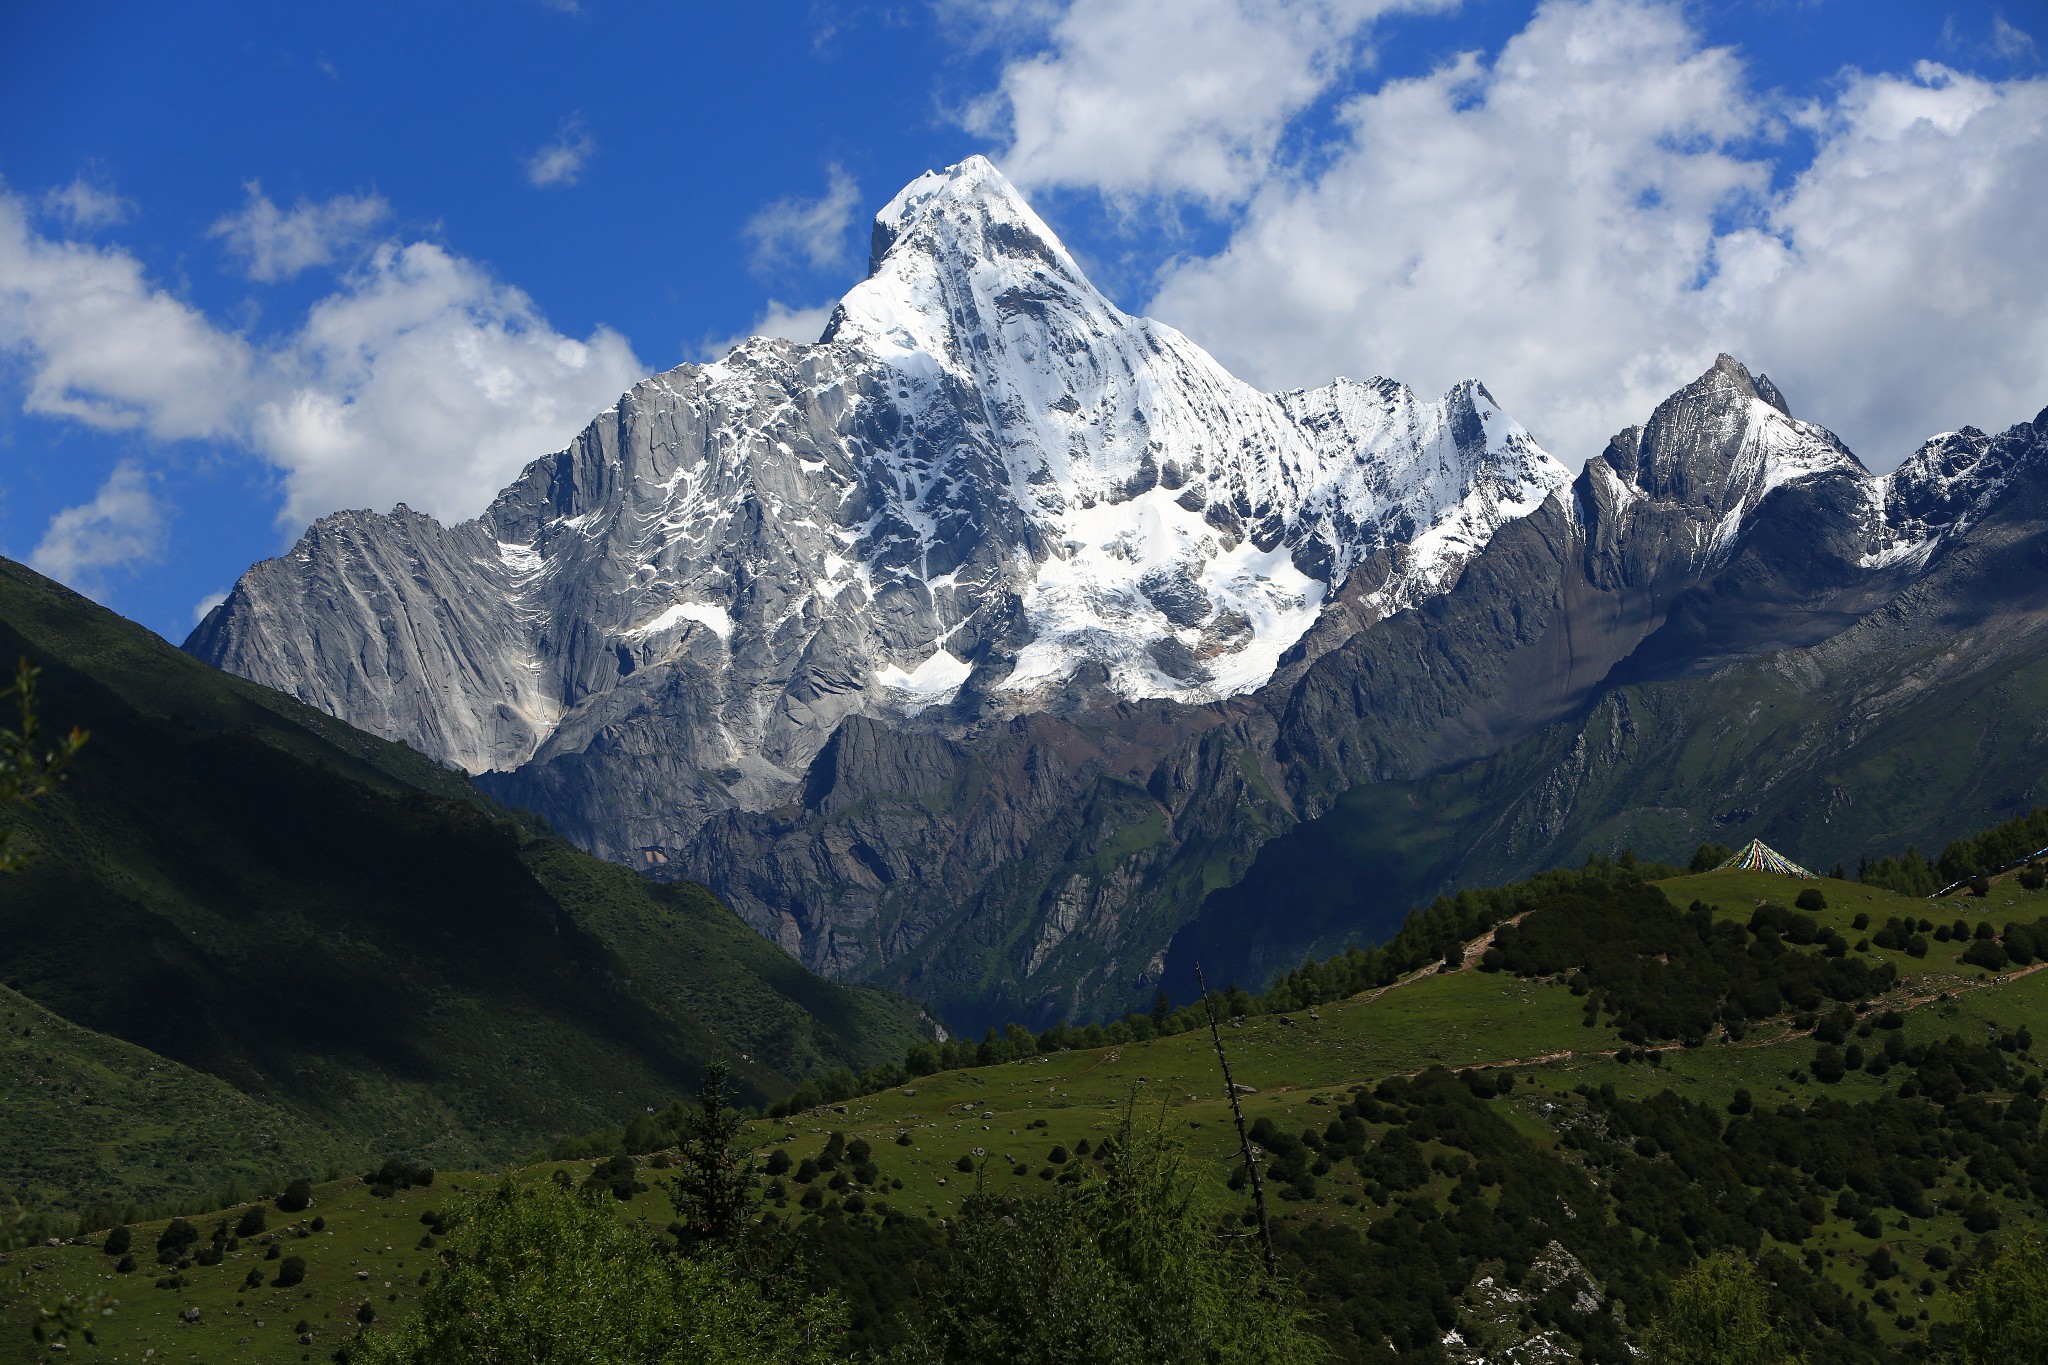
(254, 1279)
(778, 1162)
(1811, 899)
(176, 1237)
(297, 1196)
(616, 1176)
(1718, 1315)
(290, 1271)
(367, 1314)
(965, 1163)
(125, 1265)
(395, 1175)
(545, 1277)
(1980, 885)
(2033, 879)
(118, 1242)
(252, 1222)
(2005, 1310)
(1985, 953)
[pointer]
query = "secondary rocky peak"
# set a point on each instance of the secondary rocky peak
(1723, 442)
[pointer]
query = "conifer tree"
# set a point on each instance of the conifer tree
(714, 1193)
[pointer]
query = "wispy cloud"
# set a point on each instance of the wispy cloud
(809, 232)
(560, 162)
(2012, 43)
(86, 206)
(274, 245)
(122, 526)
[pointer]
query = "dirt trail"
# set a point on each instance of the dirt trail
(1474, 950)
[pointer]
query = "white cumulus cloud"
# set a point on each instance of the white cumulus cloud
(1164, 97)
(106, 347)
(420, 378)
(275, 245)
(560, 162)
(810, 232)
(1584, 219)
(122, 526)
(426, 381)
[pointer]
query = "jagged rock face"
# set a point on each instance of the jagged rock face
(986, 492)
(973, 647)
(1067, 864)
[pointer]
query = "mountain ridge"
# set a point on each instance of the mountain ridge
(975, 646)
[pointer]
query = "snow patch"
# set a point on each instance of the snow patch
(703, 613)
(931, 683)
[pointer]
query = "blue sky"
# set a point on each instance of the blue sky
(301, 258)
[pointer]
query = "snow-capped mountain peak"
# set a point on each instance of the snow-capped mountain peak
(986, 490)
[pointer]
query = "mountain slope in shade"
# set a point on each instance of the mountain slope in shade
(346, 933)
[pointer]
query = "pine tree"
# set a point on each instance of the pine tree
(714, 1192)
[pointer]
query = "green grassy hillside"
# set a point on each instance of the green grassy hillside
(346, 934)
(1784, 748)
(1412, 1199)
(90, 1116)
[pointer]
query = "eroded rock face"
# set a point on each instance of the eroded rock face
(1577, 655)
(973, 646)
(985, 493)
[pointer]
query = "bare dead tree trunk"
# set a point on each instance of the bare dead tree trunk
(1244, 1141)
